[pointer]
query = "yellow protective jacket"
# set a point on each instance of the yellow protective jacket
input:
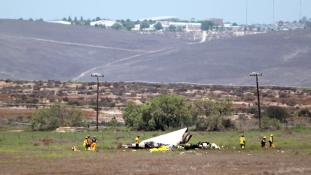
(271, 140)
(242, 140)
(137, 140)
(85, 142)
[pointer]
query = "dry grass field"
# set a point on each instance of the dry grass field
(142, 162)
(50, 153)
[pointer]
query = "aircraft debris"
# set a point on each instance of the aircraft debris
(172, 139)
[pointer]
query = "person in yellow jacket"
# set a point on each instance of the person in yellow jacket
(86, 143)
(263, 142)
(94, 142)
(242, 141)
(137, 141)
(271, 141)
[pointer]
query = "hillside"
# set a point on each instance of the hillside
(45, 51)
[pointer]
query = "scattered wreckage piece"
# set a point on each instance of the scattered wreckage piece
(201, 145)
(162, 148)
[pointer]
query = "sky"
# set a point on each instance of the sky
(258, 11)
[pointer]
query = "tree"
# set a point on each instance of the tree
(304, 113)
(144, 25)
(87, 22)
(55, 116)
(234, 24)
(207, 25)
(116, 26)
(128, 25)
(277, 112)
(64, 19)
(158, 26)
(166, 111)
(304, 19)
(210, 114)
(113, 122)
(169, 111)
(172, 27)
(69, 19)
(132, 115)
(30, 19)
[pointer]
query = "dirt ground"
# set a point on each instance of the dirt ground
(170, 162)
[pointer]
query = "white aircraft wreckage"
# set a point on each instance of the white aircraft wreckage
(172, 139)
(175, 139)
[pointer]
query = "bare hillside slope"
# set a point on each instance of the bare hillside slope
(38, 50)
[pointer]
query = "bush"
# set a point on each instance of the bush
(55, 116)
(277, 112)
(270, 123)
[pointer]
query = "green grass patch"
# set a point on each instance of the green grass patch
(58, 145)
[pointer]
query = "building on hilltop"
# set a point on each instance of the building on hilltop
(106, 23)
(161, 18)
(60, 22)
(216, 21)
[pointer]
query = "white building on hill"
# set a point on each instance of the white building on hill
(161, 18)
(107, 23)
(61, 22)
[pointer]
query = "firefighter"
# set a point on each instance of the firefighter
(94, 142)
(86, 143)
(263, 142)
(137, 141)
(89, 141)
(271, 141)
(242, 141)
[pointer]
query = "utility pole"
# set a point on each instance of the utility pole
(97, 75)
(273, 11)
(246, 11)
(259, 112)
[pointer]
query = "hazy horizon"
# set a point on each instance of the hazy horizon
(231, 11)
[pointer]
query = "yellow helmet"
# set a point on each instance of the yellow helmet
(271, 135)
(264, 137)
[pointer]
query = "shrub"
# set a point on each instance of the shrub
(270, 123)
